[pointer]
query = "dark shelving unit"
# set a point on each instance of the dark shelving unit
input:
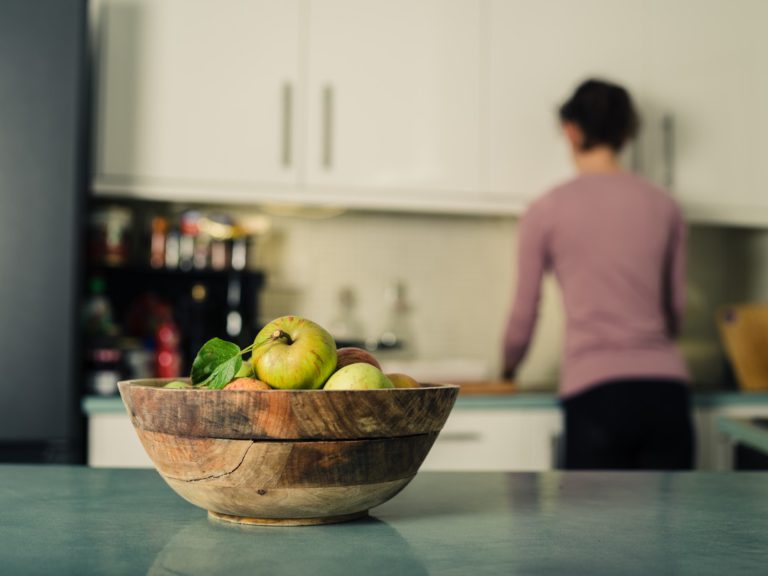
(202, 301)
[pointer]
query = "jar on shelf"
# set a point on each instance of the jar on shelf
(108, 236)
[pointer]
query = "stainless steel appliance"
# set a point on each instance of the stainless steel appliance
(43, 168)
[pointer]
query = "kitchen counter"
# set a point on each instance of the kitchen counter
(745, 431)
(76, 520)
(495, 395)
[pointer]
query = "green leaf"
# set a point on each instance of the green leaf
(213, 353)
(224, 373)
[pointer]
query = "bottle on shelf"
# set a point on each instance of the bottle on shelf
(97, 311)
(218, 254)
(172, 249)
(188, 230)
(108, 236)
(158, 232)
(167, 351)
(239, 254)
(234, 320)
(103, 355)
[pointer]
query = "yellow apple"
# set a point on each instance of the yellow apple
(402, 381)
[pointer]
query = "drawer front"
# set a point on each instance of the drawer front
(497, 440)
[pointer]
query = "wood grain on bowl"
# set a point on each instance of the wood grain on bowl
(286, 479)
(289, 414)
(286, 464)
(287, 456)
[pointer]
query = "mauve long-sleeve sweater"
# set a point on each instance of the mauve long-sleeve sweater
(616, 244)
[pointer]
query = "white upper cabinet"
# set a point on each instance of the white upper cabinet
(697, 72)
(197, 94)
(710, 87)
(394, 95)
(441, 105)
(537, 53)
(370, 103)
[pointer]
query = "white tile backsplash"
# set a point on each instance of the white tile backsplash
(460, 277)
(458, 273)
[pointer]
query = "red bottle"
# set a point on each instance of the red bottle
(167, 354)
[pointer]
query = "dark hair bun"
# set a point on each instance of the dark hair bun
(604, 112)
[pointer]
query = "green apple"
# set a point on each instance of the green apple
(178, 385)
(358, 376)
(292, 353)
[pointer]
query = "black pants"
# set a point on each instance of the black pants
(630, 425)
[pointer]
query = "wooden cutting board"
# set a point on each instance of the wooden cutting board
(744, 331)
(490, 388)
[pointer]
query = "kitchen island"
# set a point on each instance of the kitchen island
(78, 520)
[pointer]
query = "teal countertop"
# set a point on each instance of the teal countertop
(519, 400)
(81, 521)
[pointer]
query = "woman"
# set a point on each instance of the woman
(616, 244)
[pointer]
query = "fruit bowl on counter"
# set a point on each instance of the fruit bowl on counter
(290, 457)
(303, 432)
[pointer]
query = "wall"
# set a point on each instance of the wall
(457, 271)
(726, 266)
(460, 276)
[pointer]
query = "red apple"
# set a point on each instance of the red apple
(293, 353)
(247, 384)
(352, 355)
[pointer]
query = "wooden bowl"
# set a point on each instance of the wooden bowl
(288, 457)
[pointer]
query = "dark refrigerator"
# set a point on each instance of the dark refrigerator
(43, 168)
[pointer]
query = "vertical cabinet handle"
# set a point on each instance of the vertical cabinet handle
(327, 128)
(287, 125)
(668, 139)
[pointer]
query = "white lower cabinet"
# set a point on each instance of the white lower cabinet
(533, 439)
(500, 439)
(487, 439)
(113, 443)
(491, 439)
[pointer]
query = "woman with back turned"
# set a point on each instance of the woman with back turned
(616, 244)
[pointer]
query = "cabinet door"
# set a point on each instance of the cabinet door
(711, 82)
(510, 440)
(197, 92)
(393, 95)
(537, 53)
(113, 443)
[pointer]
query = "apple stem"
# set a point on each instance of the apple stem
(281, 335)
